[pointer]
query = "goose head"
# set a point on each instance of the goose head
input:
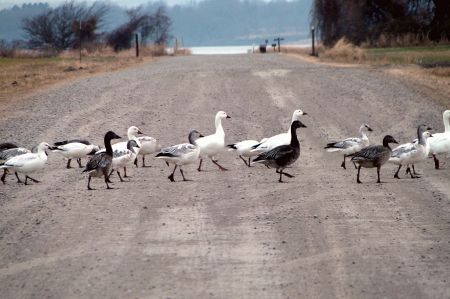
(222, 115)
(111, 135)
(297, 124)
(388, 139)
(366, 128)
(297, 114)
(132, 143)
(193, 136)
(446, 114)
(133, 131)
(426, 135)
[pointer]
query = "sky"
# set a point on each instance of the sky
(126, 3)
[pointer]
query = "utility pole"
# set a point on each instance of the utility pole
(80, 42)
(278, 40)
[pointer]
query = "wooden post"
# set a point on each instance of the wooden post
(137, 46)
(278, 39)
(80, 42)
(312, 34)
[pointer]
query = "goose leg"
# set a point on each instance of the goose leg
(170, 177)
(119, 177)
(249, 165)
(200, 165)
(414, 171)
(89, 184)
(68, 164)
(436, 162)
(343, 164)
(378, 173)
(135, 162)
(354, 164)
(106, 181)
(79, 163)
(184, 179)
(34, 180)
(245, 161)
(3, 176)
(408, 170)
(286, 174)
(396, 174)
(18, 179)
(125, 171)
(357, 176)
(220, 167)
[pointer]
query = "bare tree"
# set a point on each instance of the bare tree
(55, 26)
(161, 26)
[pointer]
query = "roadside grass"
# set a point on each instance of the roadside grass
(24, 74)
(409, 55)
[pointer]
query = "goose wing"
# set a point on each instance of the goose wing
(275, 154)
(10, 153)
(84, 141)
(177, 150)
(97, 161)
(21, 160)
(370, 152)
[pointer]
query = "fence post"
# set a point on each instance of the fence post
(137, 46)
(312, 34)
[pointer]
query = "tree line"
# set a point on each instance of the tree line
(367, 20)
(198, 23)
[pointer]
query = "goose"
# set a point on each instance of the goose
(373, 156)
(280, 139)
(28, 162)
(244, 149)
(440, 142)
(425, 135)
(212, 145)
(284, 155)
(350, 145)
(149, 145)
(7, 145)
(411, 153)
(74, 149)
(9, 152)
(132, 132)
(124, 158)
(100, 164)
(181, 154)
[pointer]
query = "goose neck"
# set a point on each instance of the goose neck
(420, 138)
(219, 128)
(294, 139)
(447, 122)
(108, 146)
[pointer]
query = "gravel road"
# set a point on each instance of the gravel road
(234, 234)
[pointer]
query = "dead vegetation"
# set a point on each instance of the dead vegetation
(28, 70)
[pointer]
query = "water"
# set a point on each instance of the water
(229, 49)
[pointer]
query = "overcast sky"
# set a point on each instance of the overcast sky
(127, 3)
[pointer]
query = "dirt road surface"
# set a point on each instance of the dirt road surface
(234, 234)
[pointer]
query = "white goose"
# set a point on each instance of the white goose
(29, 162)
(149, 145)
(214, 144)
(124, 157)
(244, 149)
(132, 132)
(411, 153)
(9, 152)
(181, 154)
(280, 139)
(350, 145)
(75, 149)
(440, 142)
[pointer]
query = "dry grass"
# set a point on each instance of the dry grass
(344, 51)
(35, 72)
(406, 40)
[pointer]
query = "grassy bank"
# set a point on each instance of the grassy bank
(409, 55)
(23, 74)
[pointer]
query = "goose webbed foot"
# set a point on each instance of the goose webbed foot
(120, 177)
(436, 162)
(171, 178)
(89, 184)
(125, 173)
(396, 174)
(34, 180)
(413, 176)
(343, 165)
(245, 161)
(220, 167)
(200, 165)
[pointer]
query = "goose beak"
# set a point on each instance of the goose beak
(429, 128)
(370, 130)
(304, 113)
(202, 135)
(431, 135)
(140, 132)
(228, 116)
